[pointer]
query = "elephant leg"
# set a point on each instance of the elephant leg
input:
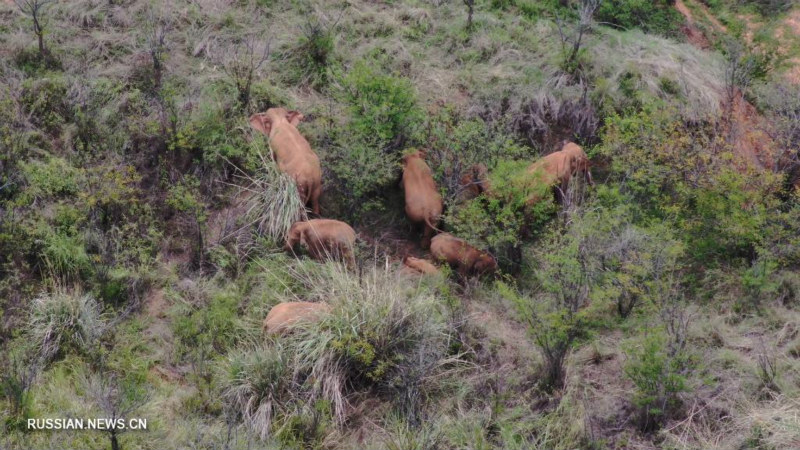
(315, 194)
(427, 234)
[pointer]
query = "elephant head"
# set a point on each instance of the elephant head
(484, 264)
(264, 122)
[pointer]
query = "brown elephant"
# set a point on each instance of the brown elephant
(419, 266)
(466, 259)
(292, 152)
(283, 316)
(423, 201)
(324, 239)
(474, 182)
(558, 168)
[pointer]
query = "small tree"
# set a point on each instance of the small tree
(117, 398)
(470, 11)
(36, 10)
(572, 40)
(157, 31)
(242, 61)
(556, 317)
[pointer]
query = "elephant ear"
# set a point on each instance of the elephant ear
(294, 117)
(261, 123)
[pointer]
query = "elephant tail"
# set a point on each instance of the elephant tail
(428, 223)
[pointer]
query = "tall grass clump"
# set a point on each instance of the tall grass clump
(273, 203)
(63, 321)
(384, 337)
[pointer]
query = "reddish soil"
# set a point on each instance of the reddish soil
(748, 131)
(693, 34)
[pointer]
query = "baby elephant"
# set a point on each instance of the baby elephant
(466, 259)
(419, 266)
(324, 239)
(284, 315)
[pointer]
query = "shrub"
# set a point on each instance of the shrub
(546, 120)
(64, 321)
(45, 100)
(659, 376)
(674, 169)
(383, 108)
(16, 380)
(653, 16)
(311, 56)
(455, 143)
(55, 177)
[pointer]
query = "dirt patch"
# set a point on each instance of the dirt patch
(747, 130)
(690, 30)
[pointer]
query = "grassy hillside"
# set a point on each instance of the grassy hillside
(142, 224)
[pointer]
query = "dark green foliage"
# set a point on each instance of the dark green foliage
(383, 108)
(653, 16)
(382, 117)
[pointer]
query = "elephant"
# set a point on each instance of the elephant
(466, 259)
(419, 266)
(283, 316)
(558, 168)
(292, 152)
(474, 182)
(324, 239)
(423, 201)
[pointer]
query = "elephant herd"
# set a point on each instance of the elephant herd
(332, 239)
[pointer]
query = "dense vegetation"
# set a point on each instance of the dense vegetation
(141, 224)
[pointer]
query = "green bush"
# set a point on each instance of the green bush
(208, 328)
(45, 100)
(667, 168)
(652, 16)
(382, 107)
(455, 143)
(259, 386)
(56, 177)
(658, 376)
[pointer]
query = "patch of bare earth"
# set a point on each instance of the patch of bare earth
(693, 34)
(747, 129)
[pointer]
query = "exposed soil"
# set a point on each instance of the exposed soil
(693, 34)
(746, 129)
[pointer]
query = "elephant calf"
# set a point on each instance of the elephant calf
(284, 315)
(419, 266)
(324, 239)
(466, 259)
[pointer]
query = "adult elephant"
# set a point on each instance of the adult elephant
(423, 201)
(558, 168)
(324, 239)
(292, 152)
